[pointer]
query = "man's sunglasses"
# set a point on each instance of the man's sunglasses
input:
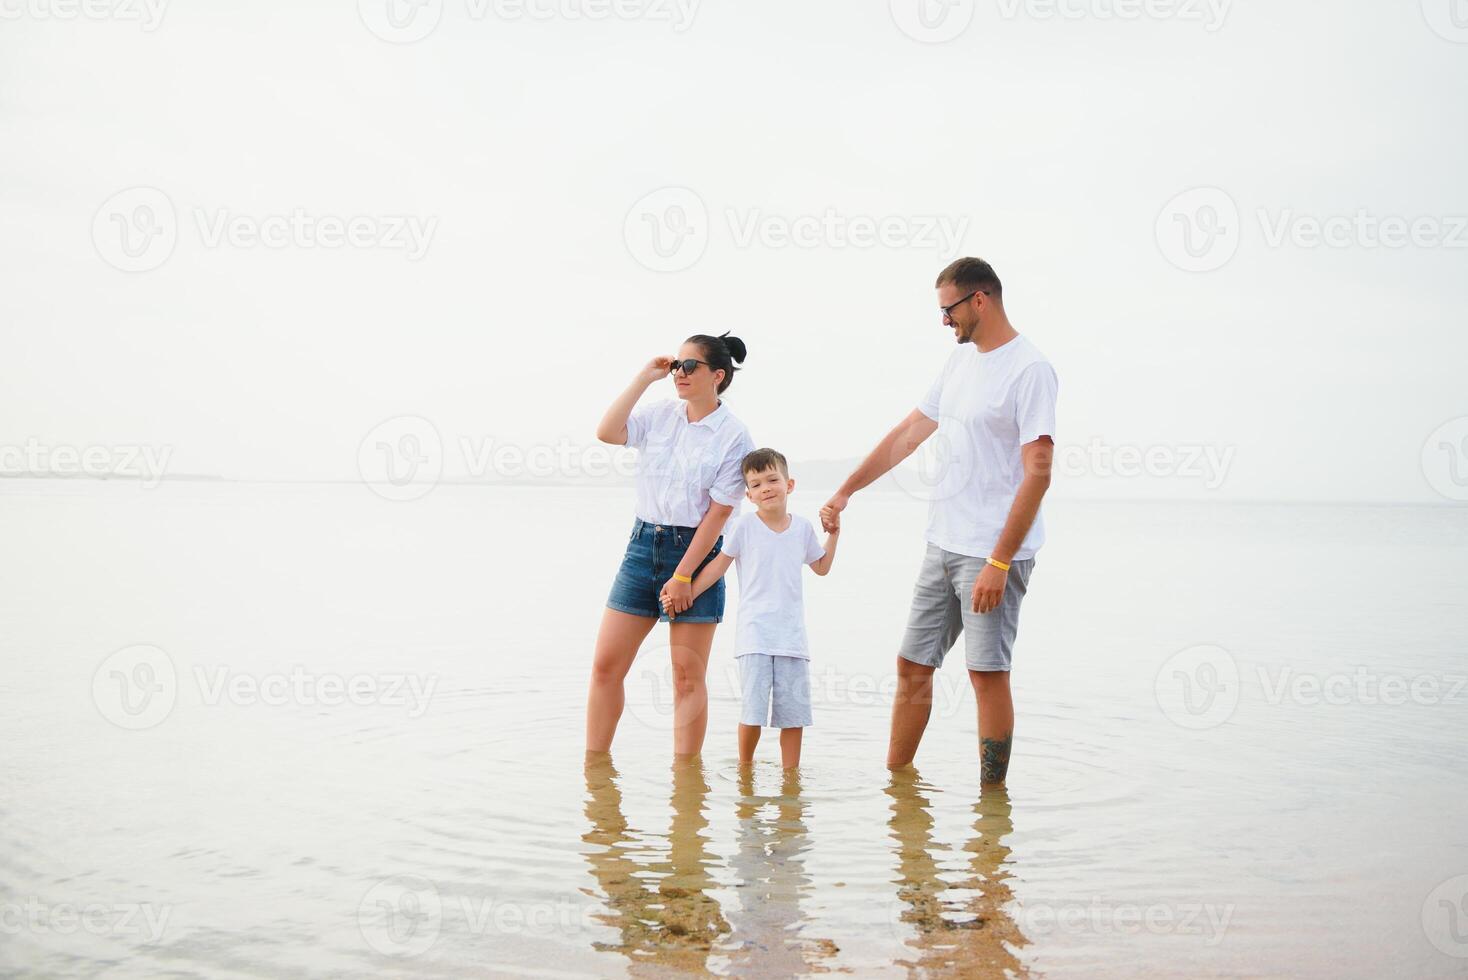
(687, 366)
(948, 310)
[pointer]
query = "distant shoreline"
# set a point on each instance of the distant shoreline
(885, 487)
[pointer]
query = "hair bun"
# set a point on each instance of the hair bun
(737, 350)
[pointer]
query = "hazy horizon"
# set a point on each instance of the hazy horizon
(333, 226)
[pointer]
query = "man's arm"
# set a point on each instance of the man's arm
(1037, 458)
(896, 446)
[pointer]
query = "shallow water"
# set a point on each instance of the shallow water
(1241, 749)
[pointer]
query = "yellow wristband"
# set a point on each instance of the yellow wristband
(682, 578)
(998, 564)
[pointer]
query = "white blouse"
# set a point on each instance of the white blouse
(682, 465)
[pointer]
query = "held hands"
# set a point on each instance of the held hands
(676, 597)
(831, 513)
(989, 589)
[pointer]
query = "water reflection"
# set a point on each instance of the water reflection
(659, 902)
(956, 929)
(771, 882)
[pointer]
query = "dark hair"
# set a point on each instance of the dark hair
(721, 352)
(763, 459)
(969, 274)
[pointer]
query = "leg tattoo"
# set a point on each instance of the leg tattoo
(994, 758)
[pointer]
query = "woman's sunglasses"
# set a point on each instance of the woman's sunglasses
(687, 366)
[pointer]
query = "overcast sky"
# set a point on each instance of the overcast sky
(1237, 229)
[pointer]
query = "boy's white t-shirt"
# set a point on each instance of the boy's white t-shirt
(771, 593)
(987, 406)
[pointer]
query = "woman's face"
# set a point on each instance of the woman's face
(703, 383)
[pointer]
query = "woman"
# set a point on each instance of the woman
(688, 484)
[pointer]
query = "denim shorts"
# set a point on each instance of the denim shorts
(653, 554)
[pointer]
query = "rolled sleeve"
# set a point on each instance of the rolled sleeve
(728, 485)
(639, 423)
(734, 537)
(929, 406)
(1034, 402)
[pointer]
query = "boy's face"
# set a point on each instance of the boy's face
(767, 489)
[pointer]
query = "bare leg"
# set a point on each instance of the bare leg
(748, 739)
(691, 643)
(996, 723)
(910, 710)
(616, 647)
(790, 747)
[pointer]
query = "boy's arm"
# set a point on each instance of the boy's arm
(711, 573)
(822, 565)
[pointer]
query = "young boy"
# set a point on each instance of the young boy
(770, 546)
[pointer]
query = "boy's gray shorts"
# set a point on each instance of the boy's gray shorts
(775, 691)
(943, 607)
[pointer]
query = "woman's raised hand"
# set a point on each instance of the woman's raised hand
(656, 369)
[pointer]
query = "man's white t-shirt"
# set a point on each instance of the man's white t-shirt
(987, 406)
(771, 593)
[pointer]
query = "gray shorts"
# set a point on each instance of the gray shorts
(775, 691)
(943, 607)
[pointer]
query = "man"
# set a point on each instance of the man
(993, 407)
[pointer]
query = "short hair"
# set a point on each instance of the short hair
(763, 459)
(969, 274)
